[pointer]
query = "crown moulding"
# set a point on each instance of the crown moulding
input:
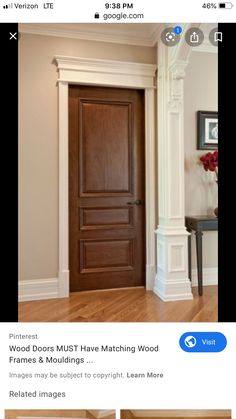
(98, 32)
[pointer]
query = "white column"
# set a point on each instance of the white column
(171, 282)
(63, 275)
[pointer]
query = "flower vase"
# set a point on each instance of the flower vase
(216, 209)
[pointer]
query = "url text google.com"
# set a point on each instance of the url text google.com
(119, 16)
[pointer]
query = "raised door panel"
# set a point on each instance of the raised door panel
(100, 218)
(106, 255)
(105, 147)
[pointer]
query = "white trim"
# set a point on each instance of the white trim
(172, 284)
(173, 290)
(105, 73)
(63, 192)
(150, 191)
(210, 277)
(150, 276)
(178, 264)
(38, 289)
(92, 32)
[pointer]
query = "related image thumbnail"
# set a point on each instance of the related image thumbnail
(60, 414)
(174, 414)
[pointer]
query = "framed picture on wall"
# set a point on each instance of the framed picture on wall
(207, 130)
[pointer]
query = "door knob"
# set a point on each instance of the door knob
(137, 202)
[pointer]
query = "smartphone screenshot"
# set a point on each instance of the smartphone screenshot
(118, 204)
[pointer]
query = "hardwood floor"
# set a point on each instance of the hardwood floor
(130, 305)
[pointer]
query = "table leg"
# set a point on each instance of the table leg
(199, 260)
(189, 257)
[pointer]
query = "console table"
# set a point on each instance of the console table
(198, 224)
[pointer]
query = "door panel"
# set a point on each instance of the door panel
(106, 176)
(96, 218)
(105, 159)
(106, 255)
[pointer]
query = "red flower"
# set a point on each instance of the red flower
(210, 161)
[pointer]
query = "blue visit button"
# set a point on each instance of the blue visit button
(203, 342)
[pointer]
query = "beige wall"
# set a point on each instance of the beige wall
(200, 187)
(38, 142)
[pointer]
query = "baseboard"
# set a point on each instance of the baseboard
(210, 277)
(44, 289)
(38, 289)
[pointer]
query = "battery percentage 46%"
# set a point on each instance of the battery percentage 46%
(209, 6)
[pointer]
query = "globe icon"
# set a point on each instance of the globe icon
(190, 341)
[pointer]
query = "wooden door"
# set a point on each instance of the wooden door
(106, 188)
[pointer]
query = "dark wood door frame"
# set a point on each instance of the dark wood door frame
(143, 77)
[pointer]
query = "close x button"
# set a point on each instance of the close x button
(203, 342)
(13, 36)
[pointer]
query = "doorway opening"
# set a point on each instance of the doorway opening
(114, 74)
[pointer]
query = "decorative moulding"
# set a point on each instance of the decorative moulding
(105, 72)
(177, 69)
(177, 74)
(93, 32)
(93, 64)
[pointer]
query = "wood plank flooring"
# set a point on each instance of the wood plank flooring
(130, 305)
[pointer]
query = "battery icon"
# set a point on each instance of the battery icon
(226, 5)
